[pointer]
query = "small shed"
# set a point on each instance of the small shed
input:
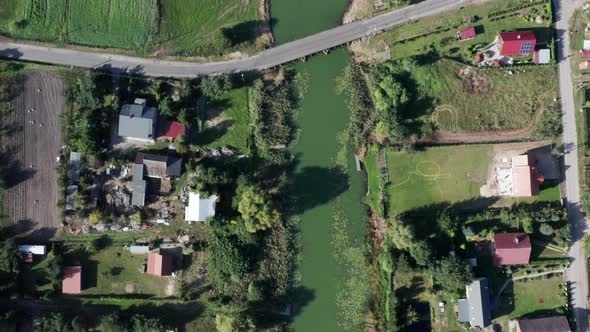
(172, 129)
(585, 54)
(139, 250)
(542, 56)
(199, 209)
(71, 279)
(467, 34)
(586, 45)
(32, 249)
(75, 160)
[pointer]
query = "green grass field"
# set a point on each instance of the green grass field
(232, 129)
(197, 27)
(448, 174)
(472, 100)
(445, 42)
(534, 295)
(182, 27)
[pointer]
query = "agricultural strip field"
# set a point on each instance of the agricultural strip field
(445, 174)
(467, 99)
(440, 32)
(30, 144)
(170, 27)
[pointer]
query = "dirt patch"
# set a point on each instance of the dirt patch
(358, 10)
(129, 288)
(29, 150)
(473, 83)
(266, 38)
(377, 229)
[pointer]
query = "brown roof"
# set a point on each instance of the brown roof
(71, 279)
(524, 176)
(512, 248)
(547, 324)
(159, 265)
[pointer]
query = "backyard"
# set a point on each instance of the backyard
(467, 99)
(532, 297)
(440, 32)
(172, 27)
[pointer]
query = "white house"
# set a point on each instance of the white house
(199, 209)
(32, 249)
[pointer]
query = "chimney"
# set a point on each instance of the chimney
(517, 36)
(516, 240)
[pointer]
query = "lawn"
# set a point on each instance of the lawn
(206, 27)
(228, 123)
(177, 27)
(467, 99)
(420, 36)
(533, 296)
(444, 174)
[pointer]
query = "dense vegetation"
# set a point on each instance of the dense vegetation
(172, 27)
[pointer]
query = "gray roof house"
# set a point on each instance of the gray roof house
(138, 121)
(476, 308)
(152, 166)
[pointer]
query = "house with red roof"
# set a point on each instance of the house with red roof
(71, 279)
(517, 42)
(171, 130)
(511, 248)
(467, 34)
(525, 177)
(159, 265)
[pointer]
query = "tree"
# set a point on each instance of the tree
(96, 217)
(215, 86)
(421, 252)
(141, 323)
(9, 257)
(403, 235)
(111, 323)
(180, 145)
(226, 323)
(468, 231)
(79, 324)
(54, 269)
(411, 316)
(53, 322)
(256, 210)
(227, 261)
(527, 225)
(452, 274)
(546, 229)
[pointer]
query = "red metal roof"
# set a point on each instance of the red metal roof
(512, 248)
(71, 279)
(585, 53)
(173, 129)
(467, 33)
(524, 176)
(159, 265)
(511, 42)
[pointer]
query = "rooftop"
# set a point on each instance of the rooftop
(72, 279)
(546, 324)
(199, 209)
(159, 265)
(512, 248)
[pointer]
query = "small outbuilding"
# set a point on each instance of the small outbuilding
(511, 248)
(160, 265)
(467, 34)
(71, 279)
(525, 178)
(199, 209)
(32, 249)
(171, 129)
(139, 250)
(545, 324)
(542, 56)
(75, 160)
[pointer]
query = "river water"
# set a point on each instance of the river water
(321, 189)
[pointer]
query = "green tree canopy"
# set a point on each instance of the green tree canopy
(452, 274)
(256, 210)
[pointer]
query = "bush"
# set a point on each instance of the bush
(546, 229)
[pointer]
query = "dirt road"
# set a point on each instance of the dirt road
(30, 149)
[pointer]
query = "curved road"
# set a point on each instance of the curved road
(266, 59)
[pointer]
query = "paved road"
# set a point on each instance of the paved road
(269, 58)
(577, 273)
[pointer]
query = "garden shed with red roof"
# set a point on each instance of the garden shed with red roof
(172, 129)
(517, 42)
(511, 248)
(466, 34)
(71, 279)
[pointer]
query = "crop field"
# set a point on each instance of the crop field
(440, 31)
(207, 27)
(467, 99)
(446, 174)
(171, 27)
(29, 144)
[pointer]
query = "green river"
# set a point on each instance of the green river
(321, 189)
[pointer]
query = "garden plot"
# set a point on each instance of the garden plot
(29, 150)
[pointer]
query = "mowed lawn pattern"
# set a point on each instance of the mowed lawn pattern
(189, 26)
(116, 23)
(174, 26)
(534, 296)
(447, 174)
(470, 100)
